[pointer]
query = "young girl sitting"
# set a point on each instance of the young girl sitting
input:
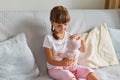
(55, 42)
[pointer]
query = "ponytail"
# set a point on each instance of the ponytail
(53, 33)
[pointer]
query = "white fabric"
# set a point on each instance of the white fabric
(99, 49)
(16, 60)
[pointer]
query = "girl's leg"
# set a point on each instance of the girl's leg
(91, 76)
(58, 73)
(83, 72)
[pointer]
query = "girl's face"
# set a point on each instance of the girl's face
(60, 27)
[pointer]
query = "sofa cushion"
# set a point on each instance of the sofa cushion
(99, 49)
(114, 34)
(16, 59)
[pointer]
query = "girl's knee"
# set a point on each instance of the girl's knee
(73, 78)
(92, 76)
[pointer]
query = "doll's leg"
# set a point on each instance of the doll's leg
(59, 73)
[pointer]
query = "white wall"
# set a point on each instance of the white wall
(48, 4)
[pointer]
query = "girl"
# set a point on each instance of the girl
(55, 42)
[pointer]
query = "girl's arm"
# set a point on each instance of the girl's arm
(83, 46)
(51, 60)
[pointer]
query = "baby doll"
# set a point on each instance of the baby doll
(72, 50)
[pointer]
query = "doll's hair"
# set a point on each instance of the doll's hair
(59, 14)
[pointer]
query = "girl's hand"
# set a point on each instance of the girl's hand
(67, 61)
(75, 36)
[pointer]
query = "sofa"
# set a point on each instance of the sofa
(27, 30)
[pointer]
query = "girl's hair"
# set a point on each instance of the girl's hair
(59, 14)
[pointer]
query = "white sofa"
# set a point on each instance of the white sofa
(36, 24)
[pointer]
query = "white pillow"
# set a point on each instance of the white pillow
(16, 60)
(99, 49)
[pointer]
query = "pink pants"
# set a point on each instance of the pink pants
(60, 73)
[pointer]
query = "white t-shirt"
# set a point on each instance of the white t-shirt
(55, 45)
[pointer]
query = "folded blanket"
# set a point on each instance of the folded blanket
(99, 49)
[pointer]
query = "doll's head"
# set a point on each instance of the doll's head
(73, 45)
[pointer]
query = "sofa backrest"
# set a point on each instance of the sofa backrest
(36, 24)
